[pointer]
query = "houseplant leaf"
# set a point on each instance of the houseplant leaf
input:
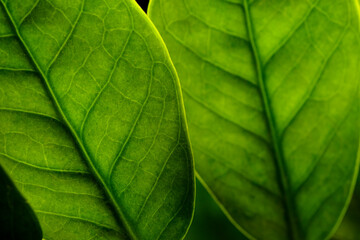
(92, 128)
(271, 90)
(14, 212)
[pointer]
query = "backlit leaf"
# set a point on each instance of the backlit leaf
(92, 128)
(271, 90)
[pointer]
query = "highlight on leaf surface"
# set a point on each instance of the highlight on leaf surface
(271, 91)
(92, 128)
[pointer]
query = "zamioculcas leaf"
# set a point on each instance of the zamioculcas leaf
(271, 90)
(15, 212)
(92, 128)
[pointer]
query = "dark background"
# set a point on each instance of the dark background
(143, 4)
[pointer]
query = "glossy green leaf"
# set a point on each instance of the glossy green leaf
(271, 91)
(92, 128)
(15, 211)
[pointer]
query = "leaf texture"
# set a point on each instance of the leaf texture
(92, 128)
(271, 90)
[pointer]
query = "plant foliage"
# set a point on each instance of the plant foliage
(92, 128)
(271, 91)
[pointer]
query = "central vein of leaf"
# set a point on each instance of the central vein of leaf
(291, 216)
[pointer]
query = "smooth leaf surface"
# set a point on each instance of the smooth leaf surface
(92, 128)
(15, 211)
(271, 90)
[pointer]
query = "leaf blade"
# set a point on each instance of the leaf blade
(233, 146)
(163, 151)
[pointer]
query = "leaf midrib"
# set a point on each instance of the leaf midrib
(119, 216)
(295, 231)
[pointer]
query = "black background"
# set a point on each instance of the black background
(143, 4)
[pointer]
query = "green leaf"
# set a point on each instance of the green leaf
(15, 211)
(271, 90)
(92, 128)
